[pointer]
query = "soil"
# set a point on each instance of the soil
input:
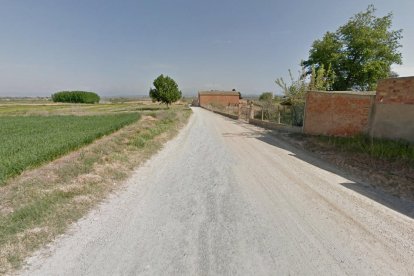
(393, 177)
(226, 198)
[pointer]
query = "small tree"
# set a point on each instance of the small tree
(322, 79)
(165, 91)
(266, 102)
(295, 93)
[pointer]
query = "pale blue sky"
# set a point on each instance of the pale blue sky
(119, 47)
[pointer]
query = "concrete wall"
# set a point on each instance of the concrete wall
(218, 99)
(337, 113)
(393, 112)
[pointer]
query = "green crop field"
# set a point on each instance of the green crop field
(74, 109)
(27, 141)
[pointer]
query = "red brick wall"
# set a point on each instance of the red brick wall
(396, 90)
(337, 113)
(218, 99)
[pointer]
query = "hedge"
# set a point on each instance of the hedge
(76, 97)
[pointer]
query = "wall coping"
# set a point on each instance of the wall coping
(397, 78)
(356, 93)
(218, 93)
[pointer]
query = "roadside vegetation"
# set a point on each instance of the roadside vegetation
(377, 148)
(384, 164)
(43, 198)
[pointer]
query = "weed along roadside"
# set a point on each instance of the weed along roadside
(41, 203)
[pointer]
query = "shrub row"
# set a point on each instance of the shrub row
(76, 97)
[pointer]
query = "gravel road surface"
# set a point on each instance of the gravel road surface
(225, 198)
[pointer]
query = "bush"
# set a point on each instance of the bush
(76, 97)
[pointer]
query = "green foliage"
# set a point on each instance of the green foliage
(165, 91)
(360, 52)
(266, 97)
(295, 94)
(321, 79)
(378, 148)
(76, 97)
(296, 90)
(27, 141)
(268, 106)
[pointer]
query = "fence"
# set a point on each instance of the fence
(269, 112)
(271, 116)
(291, 115)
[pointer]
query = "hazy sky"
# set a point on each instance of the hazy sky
(120, 47)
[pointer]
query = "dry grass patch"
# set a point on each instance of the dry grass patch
(38, 205)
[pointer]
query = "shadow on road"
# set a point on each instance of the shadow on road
(276, 139)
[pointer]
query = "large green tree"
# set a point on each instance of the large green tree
(165, 91)
(360, 52)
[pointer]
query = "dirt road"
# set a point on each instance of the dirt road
(226, 198)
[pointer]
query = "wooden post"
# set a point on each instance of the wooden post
(278, 114)
(262, 113)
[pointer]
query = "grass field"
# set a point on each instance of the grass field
(38, 204)
(27, 141)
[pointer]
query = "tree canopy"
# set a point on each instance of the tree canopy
(295, 94)
(266, 96)
(165, 91)
(321, 79)
(359, 53)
